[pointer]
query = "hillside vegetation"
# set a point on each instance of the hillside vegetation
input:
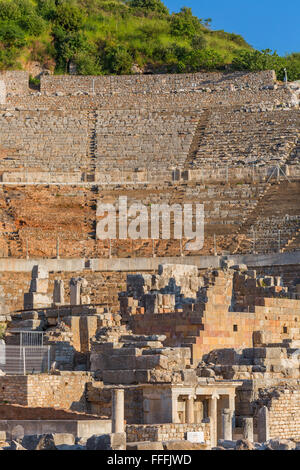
(123, 37)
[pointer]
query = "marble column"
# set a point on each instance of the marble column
(227, 424)
(190, 418)
(248, 429)
(117, 410)
(213, 420)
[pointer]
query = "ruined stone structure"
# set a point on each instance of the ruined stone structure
(146, 344)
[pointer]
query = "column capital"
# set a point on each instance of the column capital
(215, 396)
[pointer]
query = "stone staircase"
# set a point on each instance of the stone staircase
(293, 244)
(92, 149)
(14, 242)
(274, 220)
(196, 142)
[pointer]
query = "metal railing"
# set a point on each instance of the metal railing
(23, 360)
(31, 338)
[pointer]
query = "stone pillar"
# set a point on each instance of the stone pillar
(263, 424)
(79, 291)
(248, 429)
(37, 297)
(227, 424)
(58, 292)
(232, 409)
(213, 420)
(190, 419)
(175, 417)
(75, 288)
(117, 410)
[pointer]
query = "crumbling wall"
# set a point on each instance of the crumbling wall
(65, 390)
(165, 432)
(16, 81)
(283, 411)
(209, 321)
(99, 401)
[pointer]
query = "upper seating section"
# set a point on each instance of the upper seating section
(232, 136)
(43, 140)
(129, 139)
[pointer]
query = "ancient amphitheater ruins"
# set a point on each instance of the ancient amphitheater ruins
(135, 344)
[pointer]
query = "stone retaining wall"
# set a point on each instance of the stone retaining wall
(159, 84)
(66, 391)
(284, 415)
(16, 81)
(165, 432)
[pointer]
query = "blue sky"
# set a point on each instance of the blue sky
(273, 24)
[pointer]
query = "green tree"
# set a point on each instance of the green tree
(33, 24)
(67, 45)
(184, 23)
(47, 9)
(199, 41)
(9, 11)
(207, 59)
(87, 64)
(117, 60)
(257, 60)
(11, 35)
(150, 5)
(69, 17)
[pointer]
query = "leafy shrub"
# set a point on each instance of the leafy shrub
(150, 5)
(87, 64)
(199, 41)
(184, 23)
(2, 331)
(33, 24)
(117, 60)
(207, 59)
(34, 81)
(9, 11)
(67, 45)
(11, 35)
(47, 9)
(256, 60)
(69, 17)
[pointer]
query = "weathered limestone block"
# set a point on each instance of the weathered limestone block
(258, 338)
(39, 285)
(227, 424)
(58, 292)
(114, 441)
(263, 424)
(38, 272)
(78, 293)
(36, 300)
(248, 429)
(146, 445)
